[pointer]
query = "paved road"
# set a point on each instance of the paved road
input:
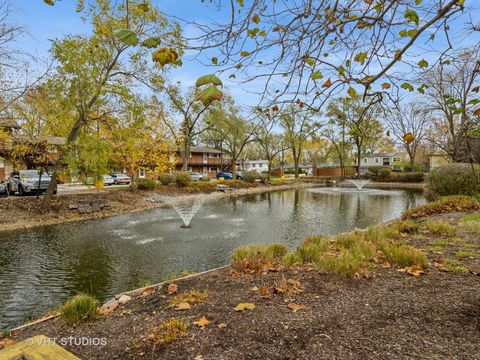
(68, 189)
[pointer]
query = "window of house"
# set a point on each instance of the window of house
(213, 169)
(254, 165)
(215, 156)
(141, 174)
(376, 160)
(365, 160)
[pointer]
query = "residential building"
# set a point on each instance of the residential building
(437, 160)
(6, 164)
(204, 160)
(259, 166)
(6, 161)
(393, 160)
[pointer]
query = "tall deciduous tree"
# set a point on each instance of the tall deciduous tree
(409, 126)
(314, 50)
(229, 131)
(270, 141)
(453, 95)
(361, 122)
(97, 70)
(298, 126)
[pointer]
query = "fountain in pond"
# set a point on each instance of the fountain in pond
(187, 208)
(359, 183)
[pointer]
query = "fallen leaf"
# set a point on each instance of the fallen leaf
(222, 325)
(202, 322)
(148, 291)
(386, 265)
(475, 272)
(7, 342)
(413, 270)
(255, 288)
(172, 288)
(296, 307)
(244, 306)
(183, 306)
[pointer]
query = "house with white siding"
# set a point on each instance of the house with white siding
(391, 160)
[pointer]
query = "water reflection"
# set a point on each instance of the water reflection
(40, 268)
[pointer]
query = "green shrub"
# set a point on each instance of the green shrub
(250, 176)
(146, 184)
(374, 170)
(414, 177)
(456, 203)
(78, 309)
(167, 178)
(455, 179)
(183, 179)
(384, 173)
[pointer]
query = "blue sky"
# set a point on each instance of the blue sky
(43, 23)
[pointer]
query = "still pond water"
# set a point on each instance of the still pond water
(40, 268)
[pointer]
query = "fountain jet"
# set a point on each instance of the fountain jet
(187, 209)
(359, 183)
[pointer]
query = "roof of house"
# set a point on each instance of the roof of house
(51, 140)
(9, 123)
(195, 149)
(256, 162)
(384, 154)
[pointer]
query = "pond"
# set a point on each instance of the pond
(41, 267)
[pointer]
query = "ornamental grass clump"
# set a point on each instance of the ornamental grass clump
(455, 203)
(257, 257)
(78, 309)
(439, 228)
(357, 252)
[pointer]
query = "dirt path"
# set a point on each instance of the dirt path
(389, 315)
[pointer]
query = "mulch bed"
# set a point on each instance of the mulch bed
(389, 315)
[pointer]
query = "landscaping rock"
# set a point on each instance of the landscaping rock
(109, 306)
(124, 299)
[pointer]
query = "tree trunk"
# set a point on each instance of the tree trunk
(297, 170)
(269, 169)
(50, 190)
(359, 159)
(185, 155)
(234, 169)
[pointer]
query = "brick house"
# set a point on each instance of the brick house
(6, 164)
(204, 160)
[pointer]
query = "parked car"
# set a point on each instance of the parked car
(121, 179)
(107, 180)
(224, 175)
(3, 189)
(195, 176)
(25, 182)
(229, 176)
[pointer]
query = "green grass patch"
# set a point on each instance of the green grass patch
(78, 309)
(435, 248)
(439, 228)
(447, 241)
(471, 222)
(446, 204)
(404, 255)
(470, 246)
(256, 257)
(462, 254)
(408, 226)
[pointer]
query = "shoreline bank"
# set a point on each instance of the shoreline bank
(134, 202)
